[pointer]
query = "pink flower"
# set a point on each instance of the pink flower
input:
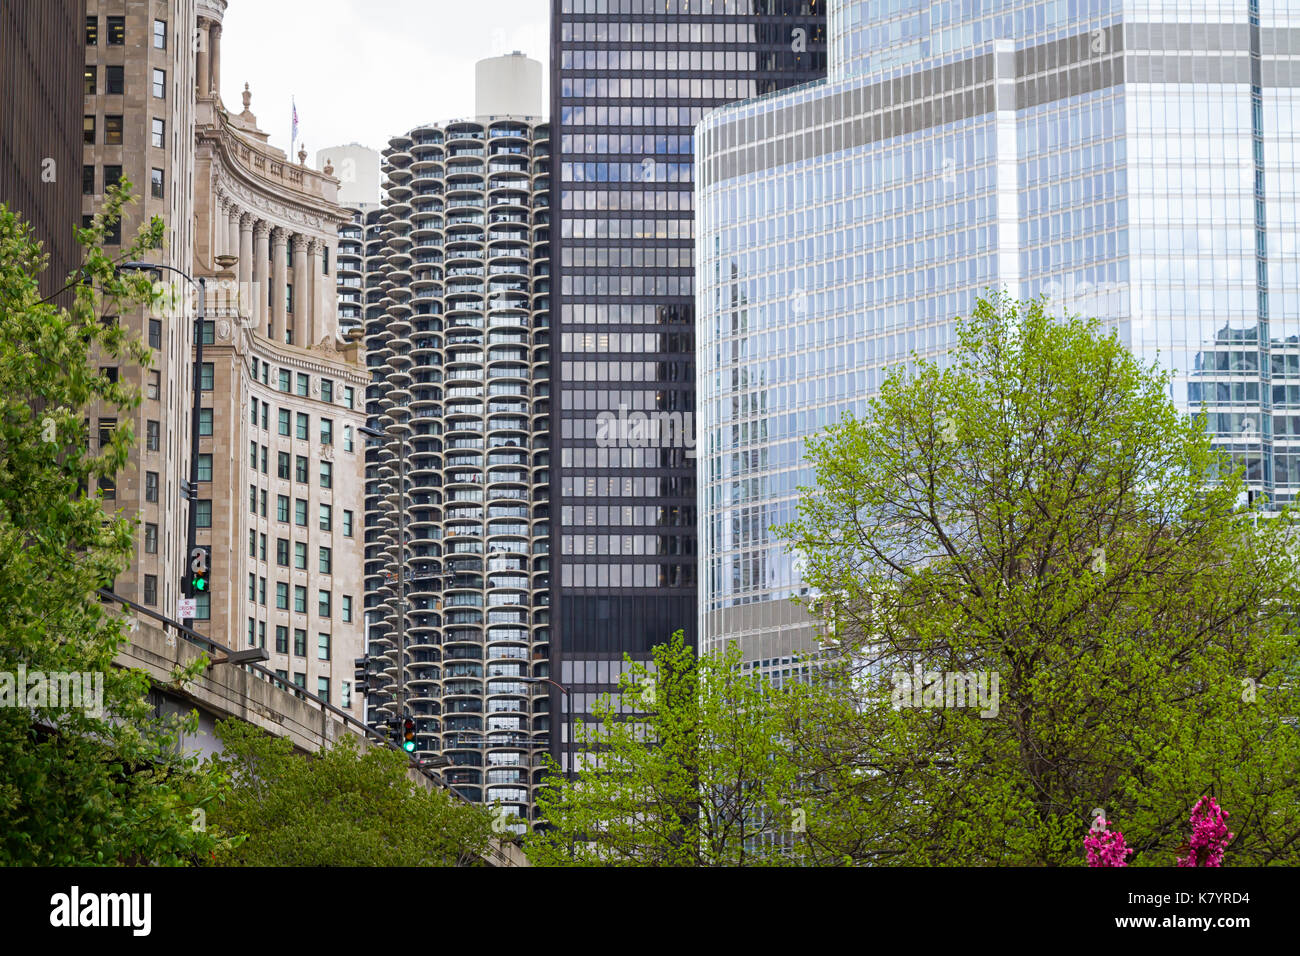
(1106, 847)
(1209, 835)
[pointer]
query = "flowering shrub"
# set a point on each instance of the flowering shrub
(1106, 847)
(1209, 835)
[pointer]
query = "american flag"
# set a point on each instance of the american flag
(293, 139)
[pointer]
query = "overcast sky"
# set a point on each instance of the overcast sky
(363, 70)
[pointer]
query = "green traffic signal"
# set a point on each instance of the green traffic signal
(199, 583)
(408, 746)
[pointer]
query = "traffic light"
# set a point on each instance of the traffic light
(361, 676)
(189, 491)
(408, 735)
(199, 571)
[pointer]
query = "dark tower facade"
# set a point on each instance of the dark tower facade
(629, 81)
(41, 55)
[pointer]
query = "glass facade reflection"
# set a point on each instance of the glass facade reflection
(630, 80)
(1134, 161)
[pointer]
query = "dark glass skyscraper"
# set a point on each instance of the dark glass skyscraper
(630, 78)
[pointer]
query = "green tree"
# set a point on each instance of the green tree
(1039, 512)
(340, 807)
(692, 770)
(76, 786)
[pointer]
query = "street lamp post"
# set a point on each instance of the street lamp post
(196, 402)
(568, 714)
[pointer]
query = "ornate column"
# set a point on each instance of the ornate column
(279, 280)
(201, 59)
(261, 273)
(314, 334)
(301, 292)
(232, 241)
(214, 57)
(245, 250)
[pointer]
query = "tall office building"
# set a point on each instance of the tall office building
(140, 82)
(1136, 162)
(630, 78)
(457, 515)
(41, 46)
(281, 458)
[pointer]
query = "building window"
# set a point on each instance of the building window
(300, 512)
(156, 183)
(88, 84)
(284, 422)
(150, 539)
(326, 390)
(346, 608)
(205, 422)
(205, 468)
(282, 508)
(112, 176)
(300, 555)
(108, 489)
(155, 334)
(151, 486)
(322, 647)
(325, 560)
(349, 396)
(114, 80)
(326, 431)
(282, 465)
(323, 603)
(347, 437)
(281, 639)
(288, 298)
(252, 595)
(323, 688)
(326, 518)
(208, 331)
(159, 134)
(116, 31)
(153, 384)
(151, 431)
(285, 380)
(282, 552)
(92, 31)
(207, 377)
(262, 495)
(160, 34)
(261, 547)
(87, 180)
(160, 84)
(252, 542)
(304, 425)
(252, 499)
(203, 606)
(151, 590)
(113, 126)
(304, 383)
(326, 475)
(261, 591)
(203, 512)
(281, 596)
(347, 523)
(300, 598)
(88, 130)
(300, 472)
(345, 698)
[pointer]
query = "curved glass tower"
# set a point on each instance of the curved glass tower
(1133, 160)
(457, 489)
